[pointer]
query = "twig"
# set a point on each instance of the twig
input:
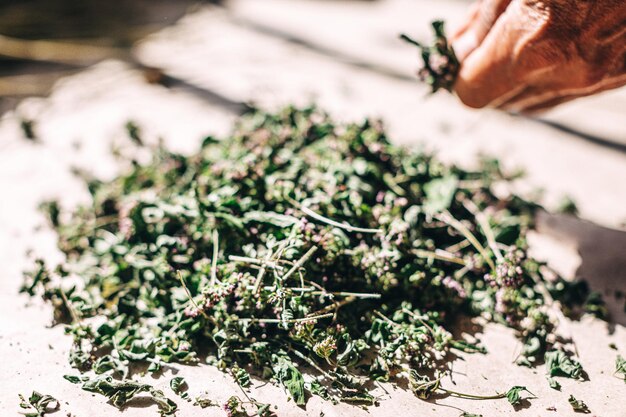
(70, 307)
(259, 278)
(214, 260)
(312, 291)
(344, 226)
(439, 254)
(299, 263)
(484, 224)
(264, 263)
(447, 218)
(182, 282)
(256, 320)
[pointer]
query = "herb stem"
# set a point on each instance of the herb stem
(69, 306)
(439, 254)
(182, 282)
(387, 319)
(344, 226)
(259, 278)
(471, 396)
(257, 320)
(214, 259)
(313, 291)
(314, 365)
(299, 263)
(447, 218)
(482, 220)
(264, 263)
(458, 246)
(410, 40)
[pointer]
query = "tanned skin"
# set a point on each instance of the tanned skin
(531, 55)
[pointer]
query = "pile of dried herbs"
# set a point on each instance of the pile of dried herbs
(296, 244)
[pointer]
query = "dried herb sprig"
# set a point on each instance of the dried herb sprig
(120, 392)
(425, 387)
(578, 406)
(559, 364)
(38, 404)
(294, 245)
(440, 66)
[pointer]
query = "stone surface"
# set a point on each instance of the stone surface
(224, 55)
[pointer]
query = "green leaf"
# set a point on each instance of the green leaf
(439, 194)
(109, 363)
(120, 392)
(179, 386)
(241, 376)
(75, 379)
(421, 385)
(233, 407)
(204, 401)
(276, 219)
(166, 406)
(359, 397)
(513, 395)
(578, 405)
(468, 347)
(292, 380)
(318, 389)
(559, 364)
(39, 403)
(262, 409)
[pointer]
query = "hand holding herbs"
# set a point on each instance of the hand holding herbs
(526, 56)
(315, 255)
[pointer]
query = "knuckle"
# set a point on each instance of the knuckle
(592, 74)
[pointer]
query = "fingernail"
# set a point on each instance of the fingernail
(465, 44)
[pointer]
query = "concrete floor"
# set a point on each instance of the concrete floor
(344, 56)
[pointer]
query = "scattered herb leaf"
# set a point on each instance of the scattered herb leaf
(38, 404)
(179, 386)
(513, 395)
(578, 405)
(559, 364)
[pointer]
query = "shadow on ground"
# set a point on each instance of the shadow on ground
(603, 254)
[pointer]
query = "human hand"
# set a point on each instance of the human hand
(529, 55)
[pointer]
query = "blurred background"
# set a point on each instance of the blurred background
(42, 40)
(73, 73)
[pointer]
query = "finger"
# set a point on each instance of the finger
(545, 96)
(483, 15)
(502, 67)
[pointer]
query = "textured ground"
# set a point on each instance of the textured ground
(344, 56)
